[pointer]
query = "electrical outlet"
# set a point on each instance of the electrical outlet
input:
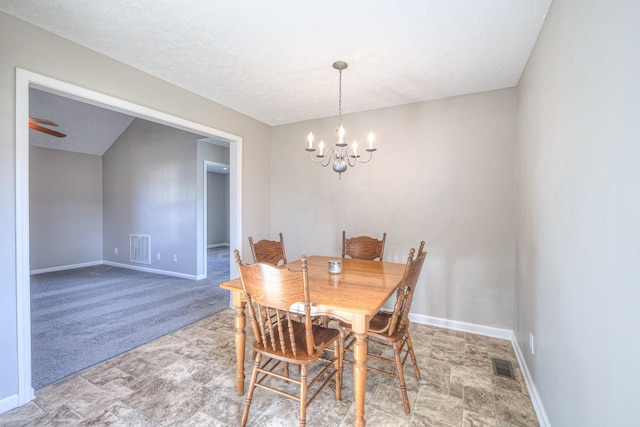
(158, 256)
(531, 345)
(115, 251)
(175, 257)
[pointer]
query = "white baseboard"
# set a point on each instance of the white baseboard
(117, 264)
(495, 333)
(152, 270)
(217, 245)
(462, 326)
(533, 391)
(66, 267)
(8, 403)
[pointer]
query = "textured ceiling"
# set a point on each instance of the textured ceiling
(271, 60)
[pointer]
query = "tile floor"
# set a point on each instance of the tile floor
(187, 378)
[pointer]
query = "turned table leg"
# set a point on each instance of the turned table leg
(360, 370)
(240, 339)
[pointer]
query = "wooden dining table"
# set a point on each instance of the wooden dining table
(355, 295)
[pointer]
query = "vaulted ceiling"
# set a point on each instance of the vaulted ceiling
(88, 129)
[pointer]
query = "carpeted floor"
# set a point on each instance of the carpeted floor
(84, 316)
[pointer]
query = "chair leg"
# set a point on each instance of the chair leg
(252, 387)
(338, 354)
(414, 362)
(403, 385)
(303, 395)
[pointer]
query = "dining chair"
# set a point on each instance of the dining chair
(275, 297)
(363, 247)
(269, 251)
(391, 328)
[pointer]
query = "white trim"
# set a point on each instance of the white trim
(25, 80)
(533, 391)
(495, 333)
(205, 220)
(205, 214)
(117, 264)
(154, 270)
(235, 199)
(23, 281)
(462, 326)
(66, 267)
(8, 403)
(101, 100)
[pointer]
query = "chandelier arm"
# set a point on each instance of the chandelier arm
(351, 158)
(324, 160)
(368, 158)
(311, 157)
(329, 156)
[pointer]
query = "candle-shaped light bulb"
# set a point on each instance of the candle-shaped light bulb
(310, 139)
(321, 147)
(371, 138)
(354, 147)
(340, 135)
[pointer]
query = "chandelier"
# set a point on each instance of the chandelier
(342, 156)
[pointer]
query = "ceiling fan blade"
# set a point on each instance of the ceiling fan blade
(45, 130)
(42, 121)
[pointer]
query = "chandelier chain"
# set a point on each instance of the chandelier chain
(340, 99)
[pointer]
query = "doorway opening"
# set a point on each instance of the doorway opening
(26, 80)
(216, 231)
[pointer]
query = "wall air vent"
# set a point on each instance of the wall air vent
(140, 248)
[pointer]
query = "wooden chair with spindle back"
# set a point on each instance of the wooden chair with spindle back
(392, 328)
(363, 247)
(268, 251)
(276, 297)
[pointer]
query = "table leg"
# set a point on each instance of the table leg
(360, 370)
(240, 323)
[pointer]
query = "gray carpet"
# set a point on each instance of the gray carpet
(85, 316)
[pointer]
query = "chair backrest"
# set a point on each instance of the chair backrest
(363, 247)
(270, 293)
(404, 296)
(268, 251)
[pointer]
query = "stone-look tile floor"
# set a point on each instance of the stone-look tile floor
(187, 378)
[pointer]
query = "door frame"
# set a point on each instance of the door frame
(205, 226)
(26, 80)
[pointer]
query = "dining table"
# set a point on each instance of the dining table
(354, 296)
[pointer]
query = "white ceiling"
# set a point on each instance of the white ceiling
(271, 60)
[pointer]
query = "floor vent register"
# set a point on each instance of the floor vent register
(502, 367)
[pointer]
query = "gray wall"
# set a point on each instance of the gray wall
(149, 185)
(217, 208)
(443, 173)
(145, 168)
(25, 46)
(65, 197)
(578, 203)
(445, 167)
